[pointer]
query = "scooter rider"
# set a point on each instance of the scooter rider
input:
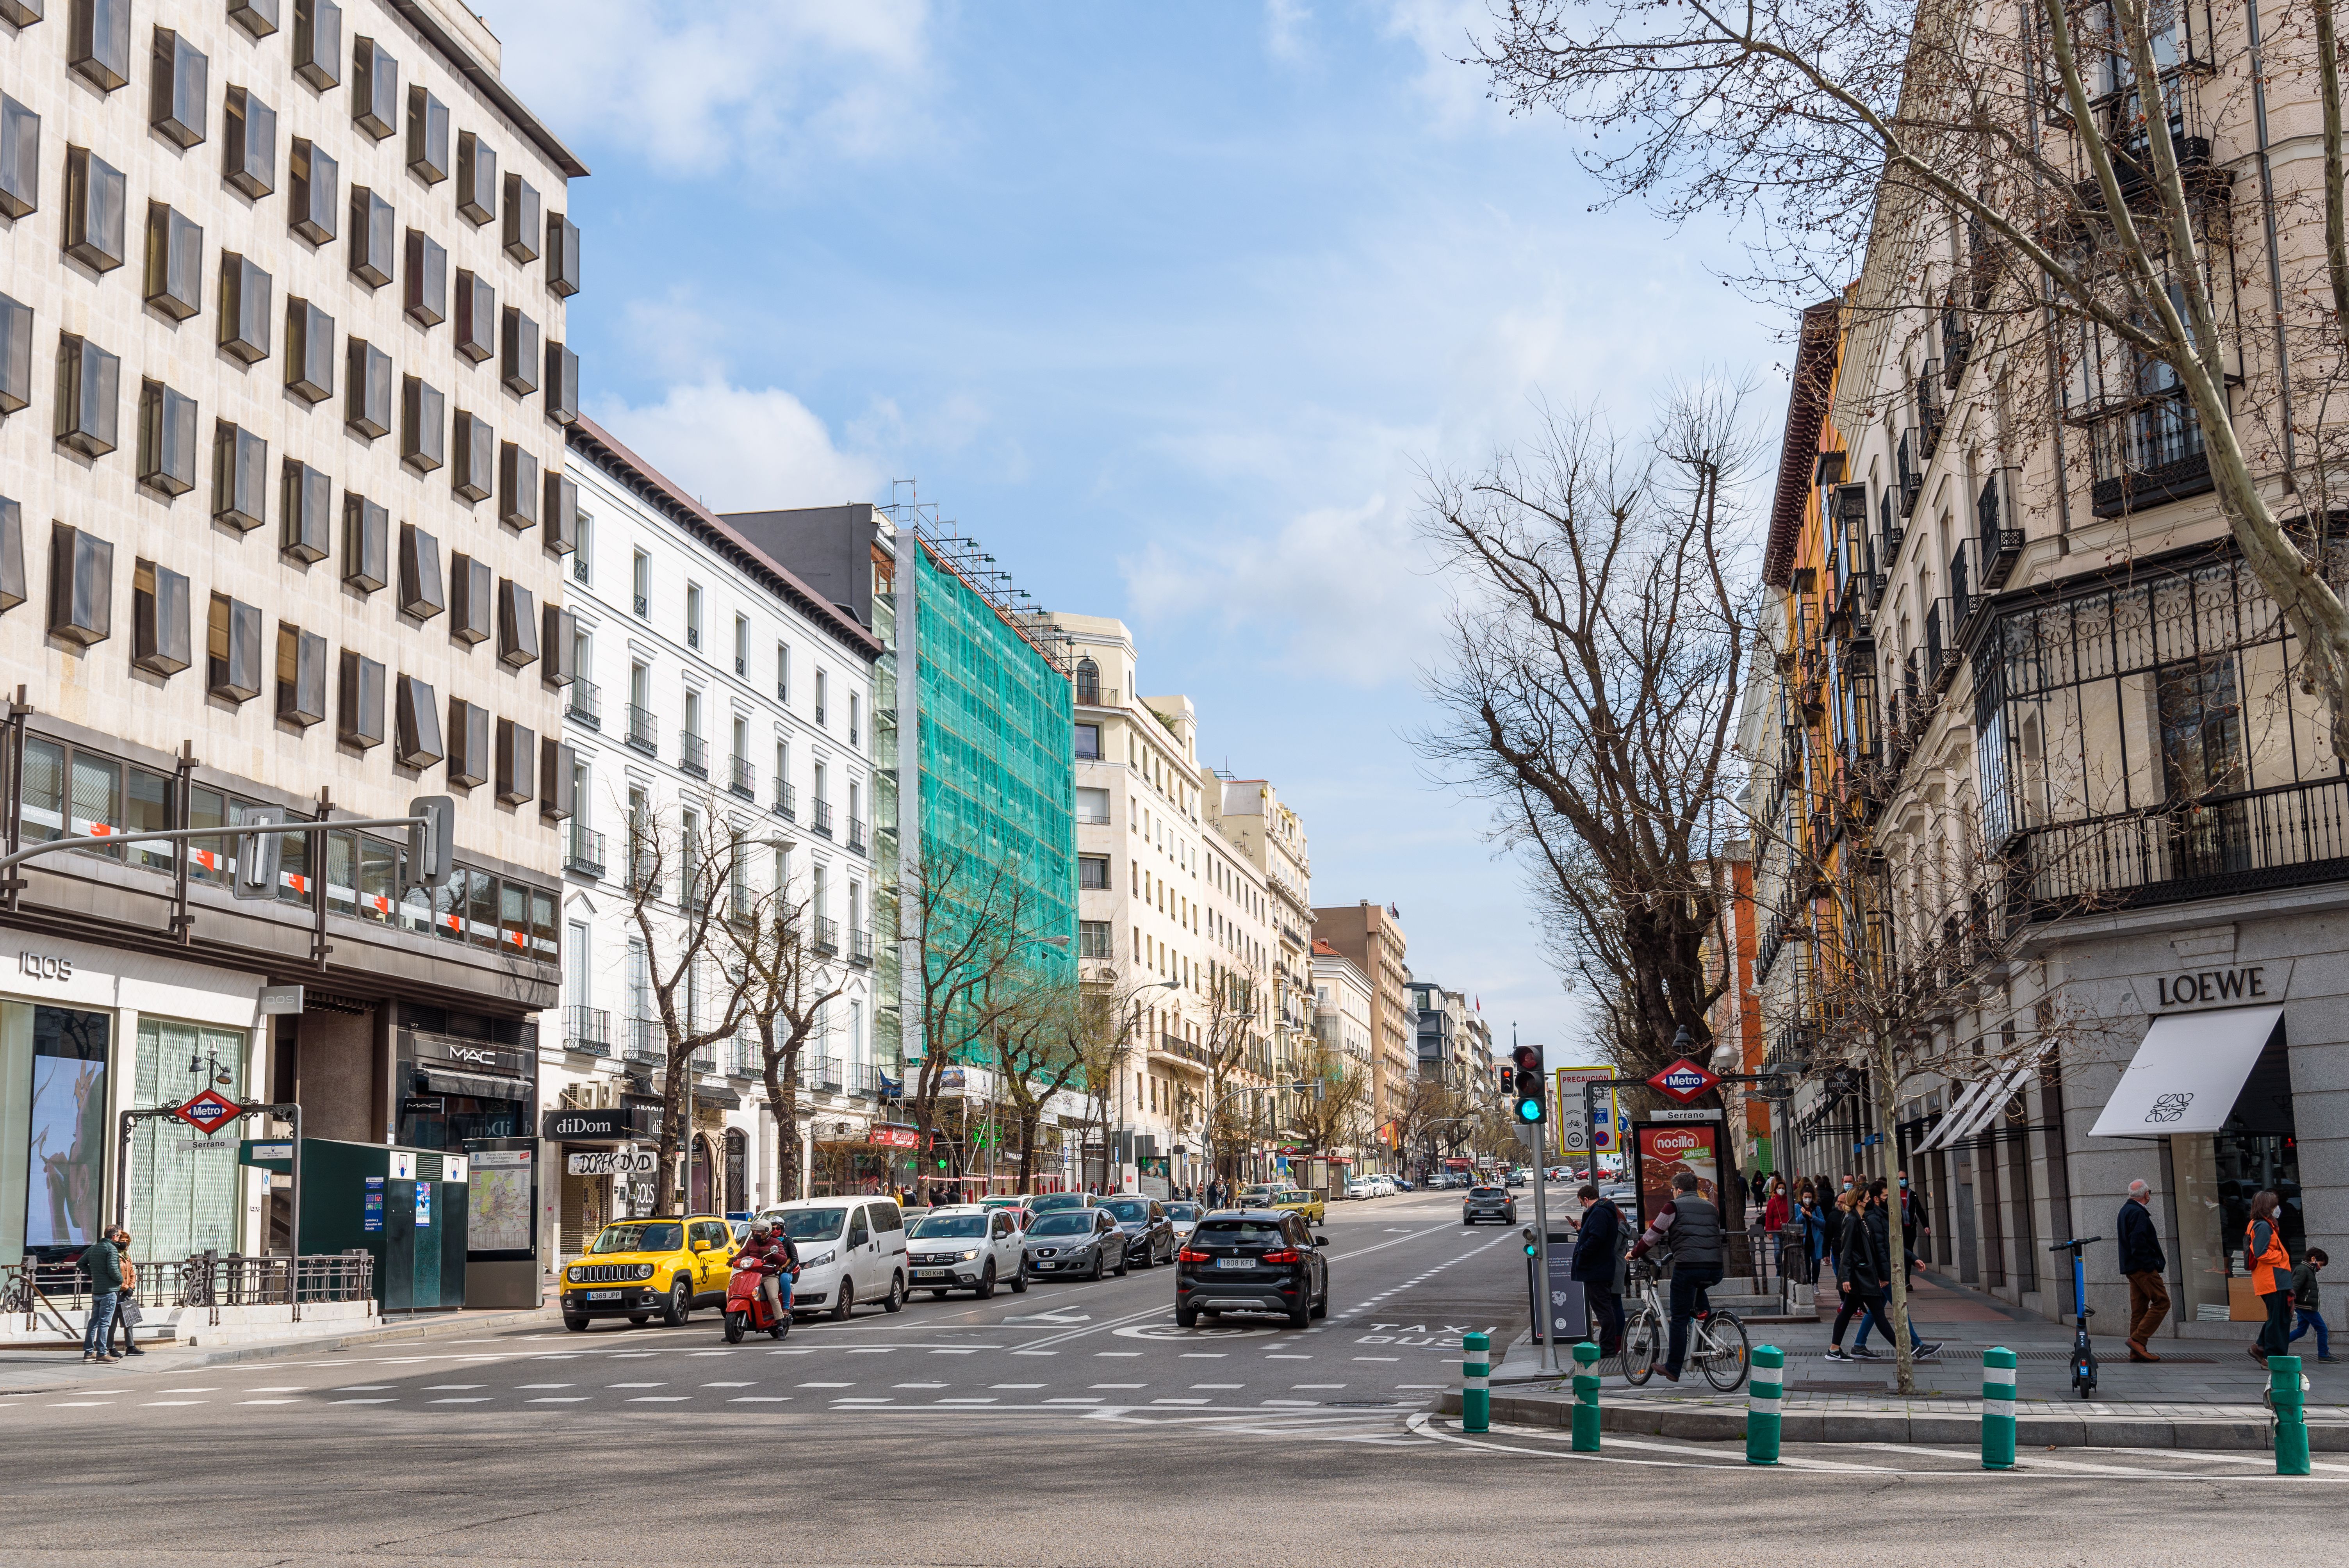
(769, 1251)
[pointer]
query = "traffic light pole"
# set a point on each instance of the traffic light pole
(1548, 1323)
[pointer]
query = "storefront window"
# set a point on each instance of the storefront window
(67, 1126)
(294, 868)
(2218, 1174)
(182, 1187)
(449, 906)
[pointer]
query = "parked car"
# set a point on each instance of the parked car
(1258, 1196)
(1359, 1189)
(1149, 1234)
(966, 1247)
(636, 1268)
(851, 1250)
(1383, 1185)
(1256, 1261)
(1084, 1241)
(1298, 1201)
(1403, 1186)
(1484, 1203)
(1184, 1216)
(1009, 1201)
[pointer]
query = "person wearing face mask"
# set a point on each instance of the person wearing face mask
(1914, 1222)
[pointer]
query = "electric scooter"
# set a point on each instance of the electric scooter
(747, 1311)
(2083, 1354)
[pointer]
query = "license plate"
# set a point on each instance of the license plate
(603, 1295)
(930, 1274)
(1236, 1263)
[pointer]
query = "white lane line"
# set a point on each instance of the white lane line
(382, 1401)
(729, 1385)
(453, 1387)
(1171, 1401)
(632, 1385)
(1119, 1385)
(547, 1385)
(827, 1384)
(269, 1401)
(160, 1403)
(477, 1399)
(1068, 1401)
(761, 1400)
(658, 1399)
(921, 1385)
(559, 1400)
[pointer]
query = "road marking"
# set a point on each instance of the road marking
(1069, 1401)
(658, 1399)
(477, 1399)
(372, 1387)
(1015, 1384)
(572, 1399)
(761, 1400)
(1119, 1354)
(1279, 1357)
(643, 1384)
(172, 1402)
(186, 1390)
(964, 1401)
(827, 1384)
(1204, 1354)
(547, 1385)
(1176, 1401)
(94, 1403)
(1218, 1385)
(386, 1402)
(291, 1390)
(1378, 1357)
(452, 1387)
(269, 1401)
(729, 1385)
(921, 1385)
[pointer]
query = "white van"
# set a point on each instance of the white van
(852, 1251)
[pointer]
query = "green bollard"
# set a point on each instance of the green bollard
(1475, 1387)
(1998, 1409)
(1586, 1398)
(1762, 1405)
(2285, 1395)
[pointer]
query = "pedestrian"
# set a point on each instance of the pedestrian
(1598, 1264)
(1859, 1272)
(2145, 1266)
(1914, 1221)
(1775, 1216)
(1811, 1204)
(126, 1300)
(102, 1263)
(2304, 1300)
(1688, 1226)
(1875, 1214)
(2270, 1270)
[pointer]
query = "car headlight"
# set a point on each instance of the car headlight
(968, 1256)
(644, 1270)
(574, 1275)
(818, 1261)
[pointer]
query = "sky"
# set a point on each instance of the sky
(1173, 307)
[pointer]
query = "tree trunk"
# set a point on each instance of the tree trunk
(670, 1197)
(1888, 1084)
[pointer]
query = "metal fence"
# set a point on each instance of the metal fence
(209, 1280)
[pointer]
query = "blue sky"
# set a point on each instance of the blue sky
(1170, 306)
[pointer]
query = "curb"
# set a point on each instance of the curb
(1885, 1427)
(274, 1349)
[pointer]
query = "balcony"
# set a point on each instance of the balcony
(586, 704)
(645, 1041)
(585, 853)
(827, 936)
(860, 947)
(855, 836)
(1940, 665)
(1998, 528)
(2287, 836)
(821, 1074)
(742, 779)
(587, 1030)
(1930, 416)
(823, 818)
(644, 731)
(1090, 694)
(1909, 462)
(693, 754)
(786, 801)
(2148, 455)
(1957, 345)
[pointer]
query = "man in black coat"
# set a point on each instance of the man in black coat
(1597, 1253)
(2143, 1265)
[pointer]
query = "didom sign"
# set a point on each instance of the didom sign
(209, 1113)
(1683, 1080)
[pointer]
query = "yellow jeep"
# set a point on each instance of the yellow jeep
(1298, 1200)
(639, 1267)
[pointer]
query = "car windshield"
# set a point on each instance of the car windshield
(951, 1225)
(1487, 1192)
(1129, 1210)
(1182, 1211)
(1051, 1201)
(1236, 1234)
(811, 1224)
(1062, 1224)
(666, 1237)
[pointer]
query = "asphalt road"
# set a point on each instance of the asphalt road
(1074, 1424)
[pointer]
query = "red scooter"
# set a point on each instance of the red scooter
(747, 1310)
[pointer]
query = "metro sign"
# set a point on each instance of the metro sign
(1683, 1080)
(209, 1113)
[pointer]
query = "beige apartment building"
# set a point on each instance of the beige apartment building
(1371, 938)
(283, 520)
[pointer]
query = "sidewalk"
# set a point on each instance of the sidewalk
(2204, 1395)
(55, 1371)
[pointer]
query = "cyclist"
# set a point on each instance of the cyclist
(1689, 1229)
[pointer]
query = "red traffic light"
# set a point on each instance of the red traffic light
(1527, 1058)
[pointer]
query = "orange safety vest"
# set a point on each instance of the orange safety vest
(2265, 1266)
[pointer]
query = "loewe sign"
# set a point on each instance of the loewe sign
(2241, 985)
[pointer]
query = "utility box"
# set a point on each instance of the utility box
(406, 1207)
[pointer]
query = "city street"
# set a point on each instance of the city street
(1074, 1424)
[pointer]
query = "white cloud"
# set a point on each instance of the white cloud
(691, 87)
(1284, 28)
(1445, 32)
(739, 447)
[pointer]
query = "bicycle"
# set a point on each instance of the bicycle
(1717, 1343)
(2083, 1353)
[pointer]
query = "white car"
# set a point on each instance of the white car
(851, 1250)
(1384, 1184)
(963, 1246)
(1185, 1217)
(1361, 1187)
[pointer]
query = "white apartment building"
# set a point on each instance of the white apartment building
(283, 514)
(1342, 1018)
(1165, 911)
(721, 699)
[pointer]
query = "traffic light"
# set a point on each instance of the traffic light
(431, 844)
(258, 856)
(1526, 1103)
(1533, 1247)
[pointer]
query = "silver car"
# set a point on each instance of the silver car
(1087, 1242)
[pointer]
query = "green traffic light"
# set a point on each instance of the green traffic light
(1529, 1109)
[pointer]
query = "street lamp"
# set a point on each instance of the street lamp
(1134, 1006)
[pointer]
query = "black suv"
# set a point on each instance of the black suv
(1149, 1234)
(1488, 1204)
(1252, 1260)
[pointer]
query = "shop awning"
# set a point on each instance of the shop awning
(1947, 1127)
(480, 1086)
(2187, 1072)
(708, 1093)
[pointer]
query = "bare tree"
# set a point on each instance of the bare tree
(786, 985)
(978, 929)
(1231, 1034)
(1598, 650)
(1038, 1055)
(1329, 1106)
(1997, 179)
(681, 891)
(1107, 1019)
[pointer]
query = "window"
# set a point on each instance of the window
(314, 182)
(1092, 872)
(473, 472)
(175, 261)
(693, 615)
(427, 135)
(853, 711)
(167, 440)
(20, 157)
(1089, 741)
(583, 552)
(1093, 807)
(521, 214)
(309, 351)
(477, 179)
(427, 297)
(249, 136)
(822, 681)
(741, 645)
(1088, 682)
(367, 369)
(784, 674)
(561, 255)
(423, 425)
(374, 88)
(519, 358)
(90, 386)
(1093, 940)
(641, 578)
(99, 44)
